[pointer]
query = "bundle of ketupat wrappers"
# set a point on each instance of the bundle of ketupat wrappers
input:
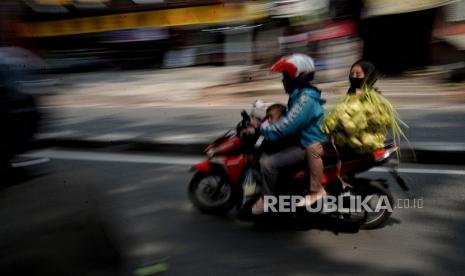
(363, 122)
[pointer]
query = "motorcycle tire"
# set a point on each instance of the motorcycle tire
(222, 197)
(377, 188)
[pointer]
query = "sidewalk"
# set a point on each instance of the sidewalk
(223, 86)
(152, 111)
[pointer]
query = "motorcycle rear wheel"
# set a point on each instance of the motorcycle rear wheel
(377, 219)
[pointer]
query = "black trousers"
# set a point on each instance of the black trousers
(272, 164)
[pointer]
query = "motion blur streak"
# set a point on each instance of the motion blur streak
(105, 105)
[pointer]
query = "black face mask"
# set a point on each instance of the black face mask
(356, 83)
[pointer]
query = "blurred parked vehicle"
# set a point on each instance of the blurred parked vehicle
(19, 115)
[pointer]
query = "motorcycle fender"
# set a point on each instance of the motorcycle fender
(365, 182)
(204, 166)
(231, 167)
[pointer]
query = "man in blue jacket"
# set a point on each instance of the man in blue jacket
(304, 117)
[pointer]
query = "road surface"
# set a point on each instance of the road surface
(95, 213)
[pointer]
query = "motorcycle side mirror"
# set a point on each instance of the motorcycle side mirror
(259, 104)
(245, 116)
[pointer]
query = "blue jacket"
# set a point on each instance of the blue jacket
(304, 117)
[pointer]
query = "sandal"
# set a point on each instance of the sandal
(311, 198)
(259, 207)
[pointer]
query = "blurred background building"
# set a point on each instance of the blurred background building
(86, 34)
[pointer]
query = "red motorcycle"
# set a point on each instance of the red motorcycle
(220, 182)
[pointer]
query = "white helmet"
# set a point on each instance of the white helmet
(294, 65)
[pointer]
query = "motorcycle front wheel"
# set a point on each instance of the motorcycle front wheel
(211, 193)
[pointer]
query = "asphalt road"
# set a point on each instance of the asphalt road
(186, 125)
(90, 213)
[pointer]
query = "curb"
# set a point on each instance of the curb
(432, 156)
(195, 148)
(422, 154)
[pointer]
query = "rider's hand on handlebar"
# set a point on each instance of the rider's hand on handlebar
(247, 131)
(254, 122)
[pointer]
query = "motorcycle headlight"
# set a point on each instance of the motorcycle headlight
(210, 153)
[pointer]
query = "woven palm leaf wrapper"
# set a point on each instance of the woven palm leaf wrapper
(362, 122)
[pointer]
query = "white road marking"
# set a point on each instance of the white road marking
(421, 171)
(27, 163)
(115, 157)
(117, 136)
(183, 160)
(189, 137)
(55, 134)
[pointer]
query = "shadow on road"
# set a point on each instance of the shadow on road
(110, 218)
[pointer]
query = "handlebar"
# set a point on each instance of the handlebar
(245, 116)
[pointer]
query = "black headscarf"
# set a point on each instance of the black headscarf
(370, 72)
